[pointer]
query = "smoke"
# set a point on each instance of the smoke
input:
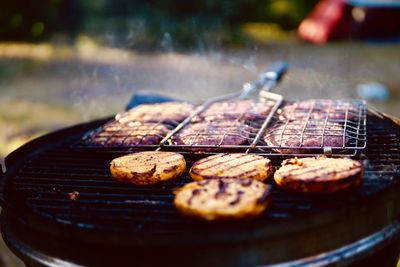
(105, 83)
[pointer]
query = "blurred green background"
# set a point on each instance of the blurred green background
(139, 24)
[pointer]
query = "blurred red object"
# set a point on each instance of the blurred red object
(341, 19)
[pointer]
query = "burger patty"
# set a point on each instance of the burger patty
(302, 136)
(213, 133)
(332, 110)
(129, 134)
(319, 175)
(235, 109)
(169, 112)
(235, 165)
(149, 167)
(223, 199)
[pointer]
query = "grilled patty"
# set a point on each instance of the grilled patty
(319, 175)
(332, 110)
(247, 166)
(129, 134)
(219, 199)
(169, 112)
(150, 167)
(235, 109)
(213, 134)
(301, 136)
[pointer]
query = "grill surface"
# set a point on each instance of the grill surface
(41, 183)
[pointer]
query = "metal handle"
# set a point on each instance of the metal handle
(275, 71)
(267, 80)
(145, 97)
(273, 75)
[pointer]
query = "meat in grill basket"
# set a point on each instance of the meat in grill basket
(243, 110)
(224, 123)
(306, 126)
(216, 133)
(303, 136)
(116, 134)
(332, 110)
(145, 124)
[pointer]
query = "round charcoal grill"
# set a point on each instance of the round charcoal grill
(60, 205)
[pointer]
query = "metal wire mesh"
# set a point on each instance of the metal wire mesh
(306, 127)
(116, 134)
(297, 128)
(317, 126)
(144, 125)
(233, 124)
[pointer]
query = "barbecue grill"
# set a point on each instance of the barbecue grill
(61, 206)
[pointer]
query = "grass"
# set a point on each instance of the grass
(22, 120)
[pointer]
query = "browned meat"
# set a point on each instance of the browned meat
(129, 134)
(148, 167)
(235, 165)
(333, 110)
(299, 137)
(235, 109)
(213, 134)
(223, 199)
(319, 175)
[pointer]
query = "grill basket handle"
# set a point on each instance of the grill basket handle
(275, 72)
(145, 97)
(267, 79)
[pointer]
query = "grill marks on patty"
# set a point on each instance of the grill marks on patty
(324, 109)
(235, 110)
(247, 166)
(321, 169)
(319, 175)
(142, 125)
(138, 133)
(213, 134)
(237, 199)
(148, 167)
(223, 123)
(222, 186)
(300, 135)
(307, 125)
(222, 199)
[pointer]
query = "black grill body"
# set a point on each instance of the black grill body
(111, 222)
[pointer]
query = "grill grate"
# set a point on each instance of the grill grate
(45, 180)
